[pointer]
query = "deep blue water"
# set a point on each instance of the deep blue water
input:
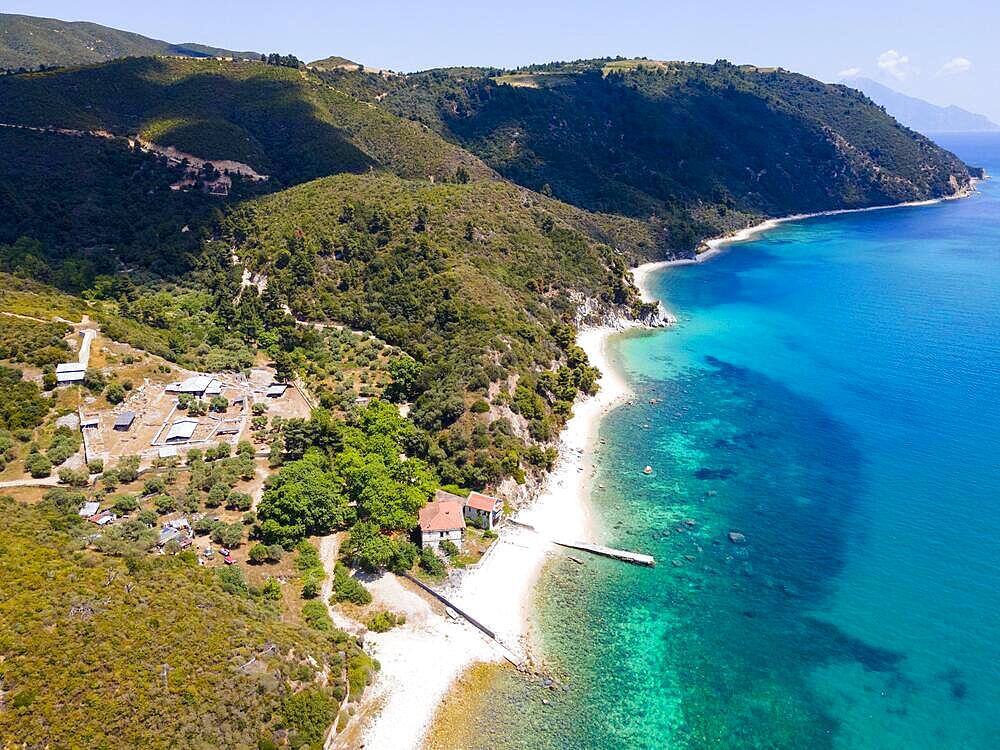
(832, 394)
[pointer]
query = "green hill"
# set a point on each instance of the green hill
(334, 62)
(148, 651)
(282, 121)
(687, 145)
(30, 41)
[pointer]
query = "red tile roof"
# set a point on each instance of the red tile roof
(445, 515)
(482, 502)
(441, 495)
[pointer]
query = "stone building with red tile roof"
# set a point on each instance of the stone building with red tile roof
(442, 520)
(484, 511)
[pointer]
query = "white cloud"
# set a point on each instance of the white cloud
(849, 73)
(955, 66)
(894, 63)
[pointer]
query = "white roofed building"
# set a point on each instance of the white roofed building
(181, 430)
(70, 372)
(196, 384)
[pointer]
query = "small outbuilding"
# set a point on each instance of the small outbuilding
(181, 430)
(89, 423)
(441, 520)
(276, 390)
(123, 423)
(484, 511)
(70, 372)
(196, 385)
(89, 509)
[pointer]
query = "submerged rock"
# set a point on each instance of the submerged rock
(736, 537)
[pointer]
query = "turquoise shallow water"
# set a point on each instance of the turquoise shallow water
(832, 395)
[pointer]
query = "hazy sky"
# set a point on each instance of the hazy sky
(939, 51)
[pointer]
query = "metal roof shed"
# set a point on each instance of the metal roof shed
(181, 430)
(125, 420)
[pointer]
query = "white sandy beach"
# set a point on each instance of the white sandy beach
(717, 245)
(422, 659)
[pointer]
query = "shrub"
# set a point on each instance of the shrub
(164, 504)
(449, 548)
(382, 621)
(348, 589)
(74, 477)
(431, 563)
(93, 380)
(153, 486)
(110, 480)
(114, 393)
(263, 553)
(309, 713)
(125, 504)
(205, 525)
(228, 534)
(310, 588)
(38, 465)
(271, 589)
(233, 580)
(128, 469)
(217, 495)
(95, 466)
(238, 501)
(404, 556)
(316, 616)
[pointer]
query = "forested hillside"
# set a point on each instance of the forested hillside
(696, 148)
(29, 42)
(282, 121)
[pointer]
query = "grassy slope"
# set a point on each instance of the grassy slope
(281, 121)
(697, 147)
(85, 642)
(30, 41)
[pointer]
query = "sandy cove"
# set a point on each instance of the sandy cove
(715, 246)
(421, 660)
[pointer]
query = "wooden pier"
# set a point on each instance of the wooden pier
(636, 558)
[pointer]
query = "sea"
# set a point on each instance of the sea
(823, 425)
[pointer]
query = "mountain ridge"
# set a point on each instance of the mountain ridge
(33, 41)
(921, 115)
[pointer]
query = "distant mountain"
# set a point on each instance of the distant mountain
(29, 41)
(920, 115)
